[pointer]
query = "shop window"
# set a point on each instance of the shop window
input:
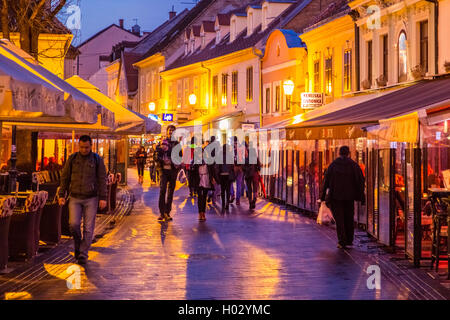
(268, 100)
(424, 45)
(215, 91)
(348, 70)
(277, 98)
(317, 76)
(249, 91)
(402, 58)
(224, 88)
(329, 76)
(234, 87)
(288, 103)
(385, 56)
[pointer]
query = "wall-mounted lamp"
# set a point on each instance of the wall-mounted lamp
(151, 106)
(192, 99)
(288, 86)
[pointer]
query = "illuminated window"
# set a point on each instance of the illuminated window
(249, 91)
(369, 61)
(215, 91)
(277, 98)
(385, 56)
(317, 76)
(348, 70)
(267, 100)
(224, 88)
(288, 103)
(402, 58)
(329, 76)
(424, 45)
(234, 87)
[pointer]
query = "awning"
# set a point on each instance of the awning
(420, 96)
(339, 104)
(78, 106)
(399, 129)
(206, 120)
(126, 121)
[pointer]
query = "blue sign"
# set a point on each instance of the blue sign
(153, 117)
(167, 117)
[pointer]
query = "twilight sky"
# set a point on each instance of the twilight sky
(98, 14)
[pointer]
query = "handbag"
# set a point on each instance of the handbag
(182, 176)
(325, 216)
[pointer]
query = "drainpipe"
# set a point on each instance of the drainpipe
(436, 39)
(260, 56)
(355, 15)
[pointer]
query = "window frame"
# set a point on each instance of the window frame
(224, 100)
(347, 70)
(423, 40)
(249, 82)
(234, 87)
(317, 77)
(328, 72)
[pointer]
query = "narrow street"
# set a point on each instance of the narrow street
(270, 253)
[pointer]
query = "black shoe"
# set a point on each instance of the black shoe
(81, 260)
(341, 246)
(232, 200)
(209, 200)
(77, 254)
(168, 217)
(161, 218)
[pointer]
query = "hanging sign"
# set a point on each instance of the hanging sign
(167, 117)
(311, 100)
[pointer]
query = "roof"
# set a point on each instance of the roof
(208, 26)
(292, 39)
(159, 34)
(334, 10)
(131, 73)
(242, 41)
(179, 27)
(224, 19)
(424, 94)
(102, 31)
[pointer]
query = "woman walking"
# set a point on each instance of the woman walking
(226, 176)
(141, 159)
(204, 179)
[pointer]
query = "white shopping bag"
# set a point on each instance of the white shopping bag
(324, 216)
(182, 176)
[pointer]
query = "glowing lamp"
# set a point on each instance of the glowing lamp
(151, 106)
(223, 125)
(192, 99)
(288, 87)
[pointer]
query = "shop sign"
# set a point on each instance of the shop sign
(248, 126)
(326, 133)
(167, 117)
(311, 100)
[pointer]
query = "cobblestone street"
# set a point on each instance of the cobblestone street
(269, 253)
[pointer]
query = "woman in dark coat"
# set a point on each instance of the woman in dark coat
(203, 179)
(141, 159)
(225, 173)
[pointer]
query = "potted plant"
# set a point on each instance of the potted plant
(381, 81)
(447, 66)
(417, 72)
(365, 84)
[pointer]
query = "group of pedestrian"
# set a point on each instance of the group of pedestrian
(83, 182)
(238, 164)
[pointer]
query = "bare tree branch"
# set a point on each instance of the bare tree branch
(58, 8)
(5, 20)
(37, 10)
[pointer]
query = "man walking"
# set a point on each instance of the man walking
(168, 175)
(344, 184)
(239, 159)
(252, 167)
(84, 177)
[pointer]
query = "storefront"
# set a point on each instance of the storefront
(402, 156)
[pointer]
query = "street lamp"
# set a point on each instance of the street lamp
(192, 99)
(288, 87)
(151, 106)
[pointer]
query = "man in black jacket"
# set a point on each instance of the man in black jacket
(84, 177)
(168, 174)
(344, 184)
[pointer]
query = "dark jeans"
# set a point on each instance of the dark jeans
(190, 176)
(168, 181)
(343, 212)
(252, 188)
(202, 195)
(140, 167)
(225, 189)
